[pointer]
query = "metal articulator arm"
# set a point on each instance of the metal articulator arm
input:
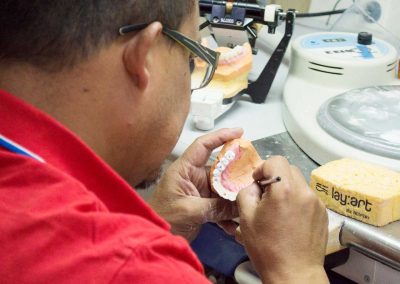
(259, 89)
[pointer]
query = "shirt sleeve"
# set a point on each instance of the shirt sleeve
(53, 230)
(159, 263)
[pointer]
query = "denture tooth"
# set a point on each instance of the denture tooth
(238, 48)
(216, 173)
(224, 56)
(230, 155)
(220, 167)
(235, 54)
(225, 161)
(216, 180)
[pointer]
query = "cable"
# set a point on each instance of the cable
(334, 8)
(319, 14)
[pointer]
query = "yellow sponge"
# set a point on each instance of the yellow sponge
(360, 190)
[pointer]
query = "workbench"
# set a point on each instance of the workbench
(263, 124)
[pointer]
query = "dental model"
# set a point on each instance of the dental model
(233, 168)
(234, 66)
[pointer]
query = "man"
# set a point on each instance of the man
(92, 91)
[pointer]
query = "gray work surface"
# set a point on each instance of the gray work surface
(283, 145)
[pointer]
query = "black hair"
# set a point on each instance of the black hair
(57, 34)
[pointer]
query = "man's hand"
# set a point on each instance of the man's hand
(183, 196)
(284, 229)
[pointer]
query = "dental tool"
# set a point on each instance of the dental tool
(267, 182)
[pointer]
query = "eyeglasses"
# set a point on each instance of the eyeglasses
(203, 61)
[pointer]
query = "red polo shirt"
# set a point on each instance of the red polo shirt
(72, 219)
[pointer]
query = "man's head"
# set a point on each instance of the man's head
(59, 34)
(127, 97)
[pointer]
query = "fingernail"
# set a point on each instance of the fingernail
(237, 129)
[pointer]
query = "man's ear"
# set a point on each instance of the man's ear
(136, 54)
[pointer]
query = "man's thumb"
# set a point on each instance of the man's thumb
(248, 199)
(218, 209)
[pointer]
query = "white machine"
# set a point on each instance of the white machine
(328, 123)
(377, 16)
